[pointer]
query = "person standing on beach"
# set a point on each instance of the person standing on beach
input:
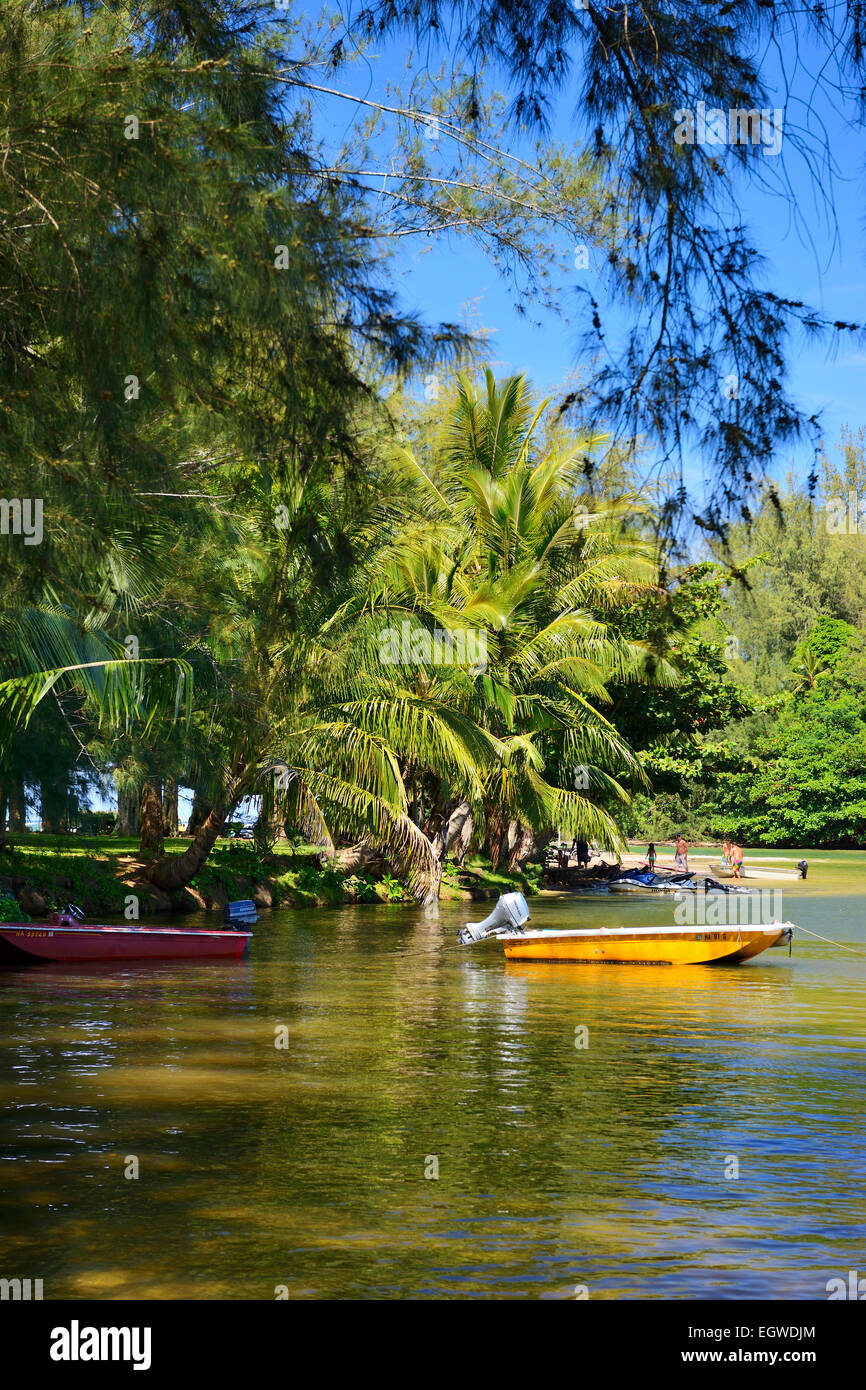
(651, 857)
(681, 858)
(736, 860)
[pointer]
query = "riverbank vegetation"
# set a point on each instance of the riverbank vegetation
(42, 873)
(270, 539)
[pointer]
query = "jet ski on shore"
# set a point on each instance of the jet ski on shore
(648, 883)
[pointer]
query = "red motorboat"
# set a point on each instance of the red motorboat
(65, 937)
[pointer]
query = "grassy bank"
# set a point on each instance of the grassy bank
(102, 874)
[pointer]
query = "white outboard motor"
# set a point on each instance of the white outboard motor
(510, 914)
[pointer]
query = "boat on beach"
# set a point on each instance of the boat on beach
(66, 937)
(690, 945)
(722, 870)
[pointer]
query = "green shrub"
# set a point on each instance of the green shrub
(394, 889)
(311, 879)
(362, 887)
(10, 911)
(246, 859)
(533, 874)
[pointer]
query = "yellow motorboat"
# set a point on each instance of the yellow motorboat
(619, 945)
(643, 945)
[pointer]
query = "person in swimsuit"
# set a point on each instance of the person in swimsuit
(681, 858)
(651, 857)
(726, 851)
(736, 860)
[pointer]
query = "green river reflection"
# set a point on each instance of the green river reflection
(558, 1166)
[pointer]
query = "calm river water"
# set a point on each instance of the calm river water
(312, 1167)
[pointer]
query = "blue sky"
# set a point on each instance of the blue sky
(807, 258)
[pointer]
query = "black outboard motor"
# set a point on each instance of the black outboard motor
(509, 915)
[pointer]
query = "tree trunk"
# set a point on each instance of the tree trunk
(522, 849)
(540, 843)
(169, 806)
(53, 804)
(456, 833)
(201, 809)
(497, 834)
(368, 855)
(269, 826)
(150, 839)
(175, 871)
(463, 842)
(17, 805)
(359, 856)
(127, 811)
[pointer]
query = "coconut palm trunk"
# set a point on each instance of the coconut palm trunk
(522, 848)
(362, 855)
(201, 809)
(456, 832)
(497, 836)
(175, 871)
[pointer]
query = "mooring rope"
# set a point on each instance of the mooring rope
(830, 940)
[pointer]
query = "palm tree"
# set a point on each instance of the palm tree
(505, 548)
(809, 671)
